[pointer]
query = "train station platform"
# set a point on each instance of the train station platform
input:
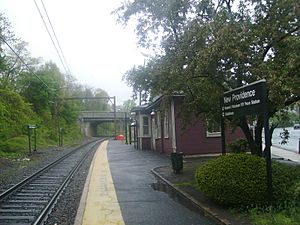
(119, 190)
(99, 203)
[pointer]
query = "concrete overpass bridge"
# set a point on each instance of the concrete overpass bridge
(90, 120)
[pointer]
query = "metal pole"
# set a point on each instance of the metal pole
(62, 137)
(59, 137)
(135, 139)
(115, 117)
(130, 136)
(299, 146)
(173, 127)
(268, 146)
(222, 130)
(29, 143)
(34, 130)
(126, 138)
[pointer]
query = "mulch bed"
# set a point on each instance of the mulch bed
(185, 181)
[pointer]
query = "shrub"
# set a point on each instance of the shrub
(240, 180)
(14, 114)
(236, 179)
(285, 178)
(296, 193)
(238, 146)
(15, 144)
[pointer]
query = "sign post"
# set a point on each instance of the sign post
(29, 128)
(247, 100)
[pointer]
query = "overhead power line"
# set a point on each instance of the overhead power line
(58, 44)
(25, 64)
(58, 49)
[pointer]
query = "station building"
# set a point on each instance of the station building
(157, 126)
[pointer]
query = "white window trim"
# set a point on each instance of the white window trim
(166, 125)
(158, 126)
(142, 126)
(213, 134)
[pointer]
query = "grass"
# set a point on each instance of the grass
(17, 147)
(271, 216)
(10, 155)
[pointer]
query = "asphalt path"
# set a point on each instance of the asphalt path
(139, 202)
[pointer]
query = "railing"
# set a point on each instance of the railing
(102, 115)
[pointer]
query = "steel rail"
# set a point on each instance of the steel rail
(6, 193)
(41, 218)
(40, 214)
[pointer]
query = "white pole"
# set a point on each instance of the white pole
(173, 123)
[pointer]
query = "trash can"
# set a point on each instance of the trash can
(177, 161)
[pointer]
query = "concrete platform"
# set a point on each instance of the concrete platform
(119, 190)
(99, 203)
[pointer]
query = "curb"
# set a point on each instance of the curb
(83, 199)
(196, 204)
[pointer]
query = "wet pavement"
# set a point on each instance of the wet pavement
(134, 183)
(136, 187)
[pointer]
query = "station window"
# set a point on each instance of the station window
(213, 129)
(146, 126)
(166, 125)
(158, 125)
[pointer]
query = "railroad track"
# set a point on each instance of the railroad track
(30, 201)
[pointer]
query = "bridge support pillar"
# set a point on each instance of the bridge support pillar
(89, 129)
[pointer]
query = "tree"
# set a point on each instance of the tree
(128, 105)
(13, 119)
(90, 104)
(11, 50)
(43, 88)
(210, 48)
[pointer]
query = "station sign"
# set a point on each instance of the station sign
(31, 126)
(245, 100)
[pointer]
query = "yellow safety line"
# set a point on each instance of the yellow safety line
(102, 206)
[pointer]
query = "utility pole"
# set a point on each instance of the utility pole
(115, 116)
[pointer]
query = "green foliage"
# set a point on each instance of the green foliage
(208, 47)
(72, 135)
(42, 91)
(37, 96)
(105, 129)
(285, 118)
(15, 144)
(15, 113)
(296, 193)
(240, 180)
(238, 146)
(236, 179)
(271, 216)
(285, 178)
(127, 106)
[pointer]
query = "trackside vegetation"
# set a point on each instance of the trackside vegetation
(33, 92)
(239, 181)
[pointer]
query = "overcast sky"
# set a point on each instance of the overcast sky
(98, 50)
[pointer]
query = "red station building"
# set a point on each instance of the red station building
(157, 126)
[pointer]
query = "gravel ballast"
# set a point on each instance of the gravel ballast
(64, 212)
